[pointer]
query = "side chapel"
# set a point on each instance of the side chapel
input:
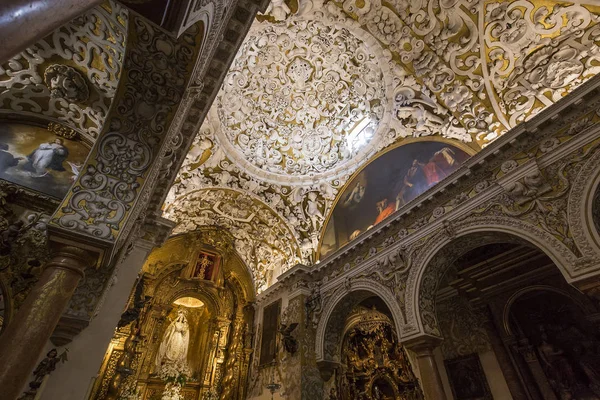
(300, 199)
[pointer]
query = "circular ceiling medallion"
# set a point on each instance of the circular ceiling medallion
(302, 99)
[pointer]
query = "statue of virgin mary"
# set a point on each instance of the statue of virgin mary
(174, 346)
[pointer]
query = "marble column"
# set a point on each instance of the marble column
(25, 337)
(73, 379)
(530, 356)
(431, 380)
(24, 22)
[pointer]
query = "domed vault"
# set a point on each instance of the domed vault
(317, 90)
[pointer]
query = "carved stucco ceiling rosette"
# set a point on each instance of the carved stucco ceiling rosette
(72, 75)
(302, 100)
(262, 238)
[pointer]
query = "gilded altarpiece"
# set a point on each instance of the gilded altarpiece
(374, 365)
(204, 323)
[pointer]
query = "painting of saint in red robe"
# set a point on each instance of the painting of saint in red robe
(385, 185)
(421, 176)
(385, 209)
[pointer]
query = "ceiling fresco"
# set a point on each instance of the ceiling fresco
(72, 75)
(317, 90)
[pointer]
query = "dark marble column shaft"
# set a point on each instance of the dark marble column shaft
(24, 339)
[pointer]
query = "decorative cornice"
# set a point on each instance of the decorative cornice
(481, 168)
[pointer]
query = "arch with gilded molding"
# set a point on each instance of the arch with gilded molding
(584, 189)
(442, 248)
(338, 306)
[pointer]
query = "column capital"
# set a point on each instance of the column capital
(423, 344)
(93, 252)
(327, 368)
(70, 257)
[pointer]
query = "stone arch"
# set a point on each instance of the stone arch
(516, 296)
(337, 308)
(261, 237)
(580, 211)
(439, 250)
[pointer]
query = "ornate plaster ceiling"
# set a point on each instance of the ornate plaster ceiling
(72, 75)
(466, 70)
(262, 238)
(302, 99)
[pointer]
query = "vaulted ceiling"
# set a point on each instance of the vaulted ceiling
(317, 90)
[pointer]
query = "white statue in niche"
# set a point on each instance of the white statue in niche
(174, 347)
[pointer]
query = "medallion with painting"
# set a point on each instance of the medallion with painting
(39, 159)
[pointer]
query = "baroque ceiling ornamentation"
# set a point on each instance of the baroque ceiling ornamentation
(492, 65)
(72, 75)
(262, 238)
(302, 98)
(466, 70)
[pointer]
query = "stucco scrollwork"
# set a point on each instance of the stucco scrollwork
(308, 131)
(261, 237)
(473, 231)
(93, 46)
(65, 82)
(536, 56)
(111, 181)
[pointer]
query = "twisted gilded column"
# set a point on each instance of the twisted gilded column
(123, 370)
(24, 22)
(431, 380)
(25, 337)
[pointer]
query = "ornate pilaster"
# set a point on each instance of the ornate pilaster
(223, 329)
(302, 379)
(25, 338)
(533, 363)
(230, 381)
(431, 380)
(508, 369)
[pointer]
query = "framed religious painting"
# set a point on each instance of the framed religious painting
(45, 160)
(205, 267)
(270, 325)
(387, 184)
(467, 379)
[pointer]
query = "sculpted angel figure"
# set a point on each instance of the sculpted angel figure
(175, 343)
(278, 9)
(312, 210)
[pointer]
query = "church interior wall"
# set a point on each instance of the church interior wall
(262, 375)
(484, 284)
